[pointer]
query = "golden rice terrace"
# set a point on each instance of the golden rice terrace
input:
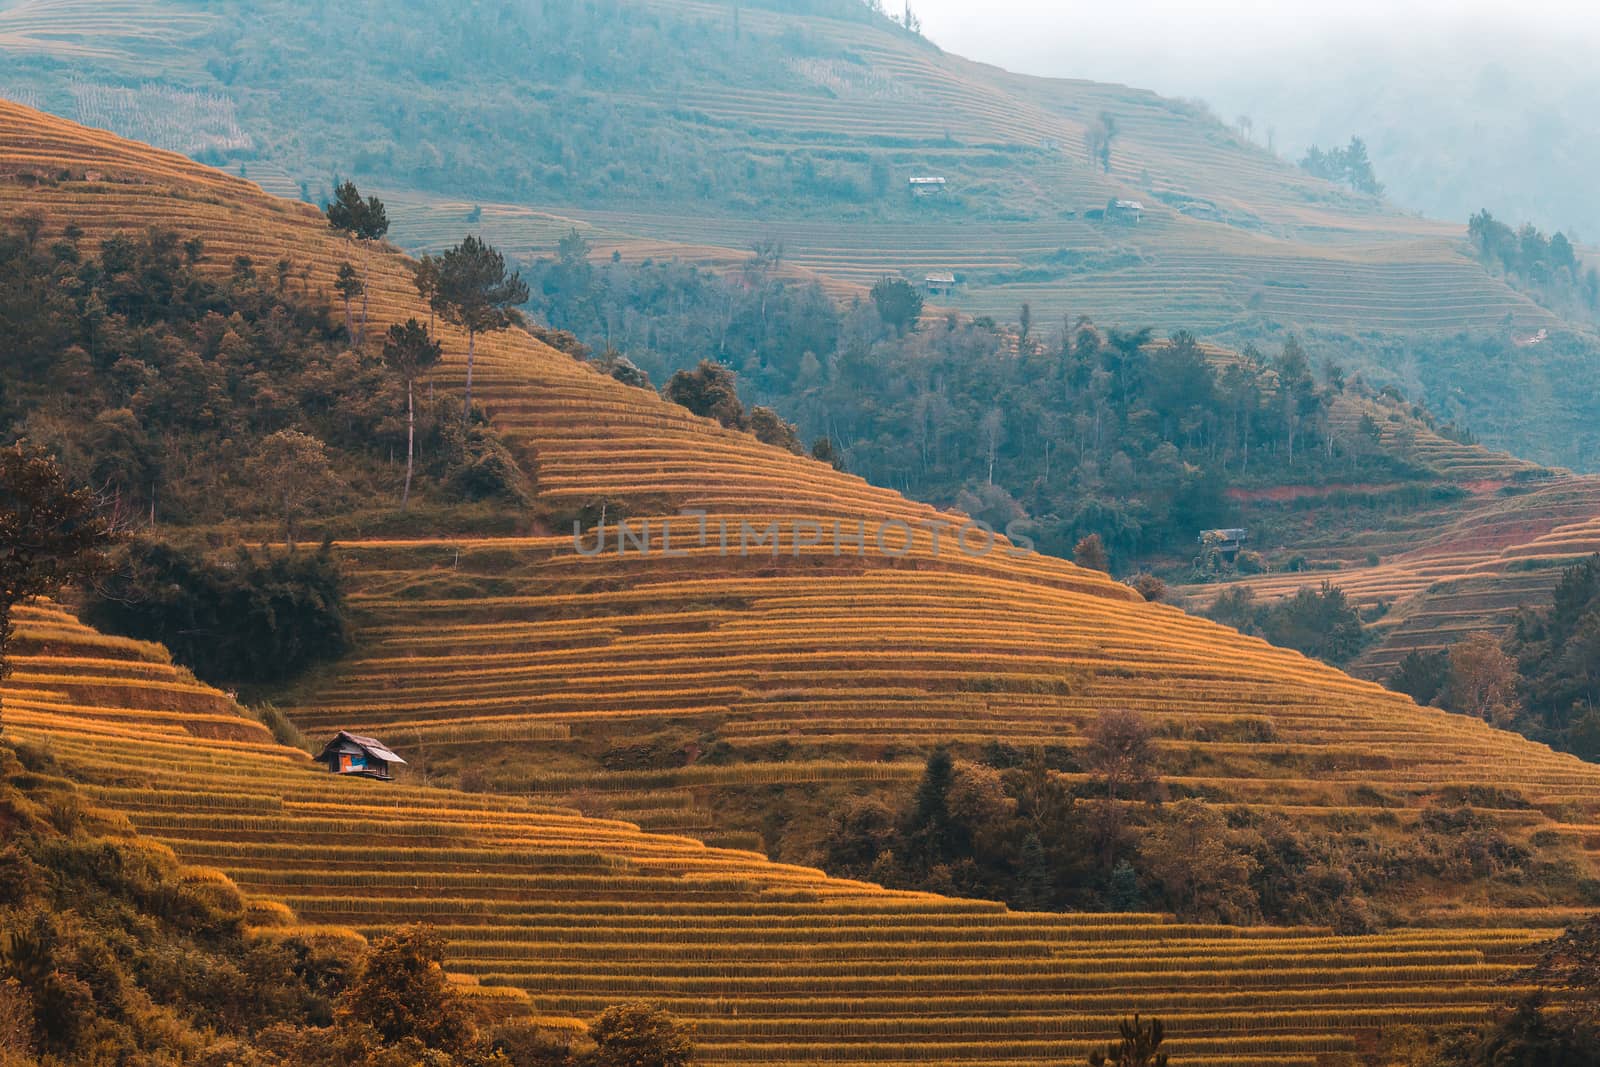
(812, 665)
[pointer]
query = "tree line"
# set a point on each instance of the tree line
(1547, 265)
(1347, 165)
(1079, 428)
(190, 393)
(1007, 824)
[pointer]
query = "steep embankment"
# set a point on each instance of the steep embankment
(793, 665)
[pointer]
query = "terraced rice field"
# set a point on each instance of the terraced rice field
(1232, 237)
(1459, 568)
(1230, 233)
(847, 659)
(1202, 281)
(135, 31)
(774, 963)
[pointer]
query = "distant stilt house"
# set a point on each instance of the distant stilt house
(939, 283)
(925, 185)
(360, 756)
(1124, 211)
(1226, 543)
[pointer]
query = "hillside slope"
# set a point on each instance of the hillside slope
(688, 129)
(835, 650)
(791, 666)
(1450, 571)
(774, 963)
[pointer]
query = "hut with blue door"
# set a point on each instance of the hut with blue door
(360, 756)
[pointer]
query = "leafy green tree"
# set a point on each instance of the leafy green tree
(628, 372)
(823, 450)
(1322, 623)
(364, 221)
(403, 993)
(930, 830)
(1422, 676)
(1121, 758)
(1583, 737)
(1557, 649)
(1349, 165)
(51, 534)
(292, 468)
(898, 302)
(1138, 1046)
(478, 293)
(239, 618)
(639, 1035)
(410, 350)
(1203, 870)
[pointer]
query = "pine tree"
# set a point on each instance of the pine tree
(1036, 880)
(477, 293)
(363, 221)
(1123, 891)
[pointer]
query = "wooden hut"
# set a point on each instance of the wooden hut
(361, 756)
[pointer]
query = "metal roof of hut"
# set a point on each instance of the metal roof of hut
(349, 743)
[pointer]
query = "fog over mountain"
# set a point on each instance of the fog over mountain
(1462, 105)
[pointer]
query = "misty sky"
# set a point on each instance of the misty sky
(1463, 104)
(1176, 47)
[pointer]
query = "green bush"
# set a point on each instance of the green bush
(244, 618)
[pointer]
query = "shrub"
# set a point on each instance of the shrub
(639, 1035)
(487, 470)
(403, 993)
(1147, 585)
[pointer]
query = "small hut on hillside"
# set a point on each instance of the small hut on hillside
(1227, 543)
(1125, 210)
(361, 756)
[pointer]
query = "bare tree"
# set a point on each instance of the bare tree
(1099, 138)
(410, 351)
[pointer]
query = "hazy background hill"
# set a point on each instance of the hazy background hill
(1463, 106)
(696, 130)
